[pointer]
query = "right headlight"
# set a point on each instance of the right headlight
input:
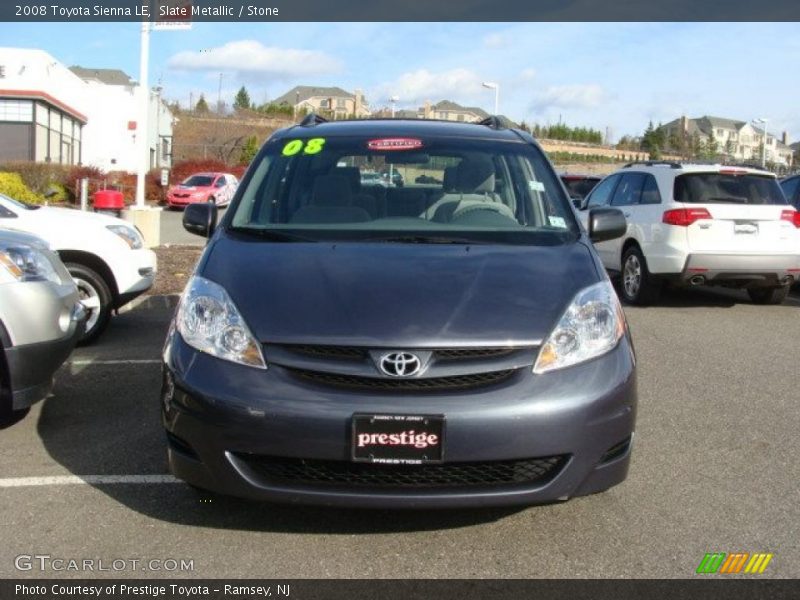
(209, 321)
(26, 263)
(591, 326)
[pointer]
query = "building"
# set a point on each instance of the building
(445, 110)
(49, 113)
(738, 140)
(333, 101)
(110, 135)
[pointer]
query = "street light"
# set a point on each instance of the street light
(496, 87)
(764, 146)
(394, 100)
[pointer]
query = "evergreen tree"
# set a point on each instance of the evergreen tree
(242, 100)
(202, 105)
(249, 150)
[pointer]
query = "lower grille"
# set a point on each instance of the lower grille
(456, 382)
(332, 472)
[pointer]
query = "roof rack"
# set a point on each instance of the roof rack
(495, 122)
(651, 163)
(312, 119)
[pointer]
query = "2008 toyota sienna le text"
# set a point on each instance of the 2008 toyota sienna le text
(451, 341)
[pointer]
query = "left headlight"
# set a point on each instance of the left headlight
(591, 326)
(26, 263)
(129, 235)
(209, 322)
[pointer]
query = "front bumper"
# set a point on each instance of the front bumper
(135, 275)
(31, 366)
(222, 419)
(751, 270)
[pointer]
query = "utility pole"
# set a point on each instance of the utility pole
(219, 95)
(142, 146)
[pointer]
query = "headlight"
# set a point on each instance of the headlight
(590, 327)
(209, 322)
(25, 263)
(131, 237)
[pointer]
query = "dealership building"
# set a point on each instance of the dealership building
(76, 115)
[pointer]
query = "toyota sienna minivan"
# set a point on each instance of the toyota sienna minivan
(451, 342)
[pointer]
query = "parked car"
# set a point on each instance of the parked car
(218, 188)
(471, 354)
(369, 178)
(579, 186)
(105, 255)
(791, 189)
(699, 225)
(41, 319)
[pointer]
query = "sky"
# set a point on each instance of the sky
(602, 75)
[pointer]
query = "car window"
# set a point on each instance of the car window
(629, 190)
(350, 187)
(601, 195)
(221, 182)
(728, 188)
(789, 188)
(579, 187)
(650, 193)
(6, 214)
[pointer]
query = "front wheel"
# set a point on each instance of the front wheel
(638, 285)
(95, 297)
(768, 295)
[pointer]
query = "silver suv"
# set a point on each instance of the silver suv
(41, 319)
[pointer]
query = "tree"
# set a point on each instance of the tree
(249, 150)
(242, 100)
(712, 146)
(202, 105)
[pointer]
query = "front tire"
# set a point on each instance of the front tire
(768, 295)
(96, 298)
(638, 285)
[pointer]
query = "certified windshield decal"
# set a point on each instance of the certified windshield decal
(394, 144)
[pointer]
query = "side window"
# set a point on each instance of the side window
(601, 195)
(650, 193)
(789, 188)
(221, 182)
(6, 214)
(629, 190)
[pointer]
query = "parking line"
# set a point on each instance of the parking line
(16, 482)
(86, 363)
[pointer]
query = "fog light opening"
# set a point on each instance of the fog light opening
(617, 450)
(181, 447)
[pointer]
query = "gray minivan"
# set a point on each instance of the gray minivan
(451, 342)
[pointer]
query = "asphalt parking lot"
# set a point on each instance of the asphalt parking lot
(716, 468)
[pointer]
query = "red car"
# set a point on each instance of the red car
(202, 187)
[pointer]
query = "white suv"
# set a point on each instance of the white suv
(693, 224)
(105, 255)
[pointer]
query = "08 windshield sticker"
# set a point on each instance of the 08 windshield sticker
(311, 146)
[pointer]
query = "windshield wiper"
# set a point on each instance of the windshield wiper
(423, 239)
(272, 235)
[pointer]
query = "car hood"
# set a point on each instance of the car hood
(70, 217)
(403, 295)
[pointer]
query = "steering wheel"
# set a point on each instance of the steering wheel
(494, 207)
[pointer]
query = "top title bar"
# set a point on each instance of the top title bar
(397, 10)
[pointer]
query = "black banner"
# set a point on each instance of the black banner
(398, 10)
(390, 589)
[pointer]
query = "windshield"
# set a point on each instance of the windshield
(725, 188)
(454, 190)
(19, 203)
(199, 181)
(579, 187)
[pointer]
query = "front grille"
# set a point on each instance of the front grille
(455, 382)
(476, 474)
(359, 353)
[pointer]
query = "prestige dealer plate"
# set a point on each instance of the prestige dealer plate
(398, 439)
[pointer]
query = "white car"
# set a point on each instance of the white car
(105, 255)
(693, 224)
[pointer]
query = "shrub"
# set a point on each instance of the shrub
(183, 169)
(11, 185)
(39, 177)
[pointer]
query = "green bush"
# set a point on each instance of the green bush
(38, 177)
(11, 185)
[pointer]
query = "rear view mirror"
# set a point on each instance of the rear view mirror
(606, 224)
(200, 219)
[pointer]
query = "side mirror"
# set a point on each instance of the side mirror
(606, 224)
(200, 219)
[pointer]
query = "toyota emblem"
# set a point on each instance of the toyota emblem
(400, 364)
